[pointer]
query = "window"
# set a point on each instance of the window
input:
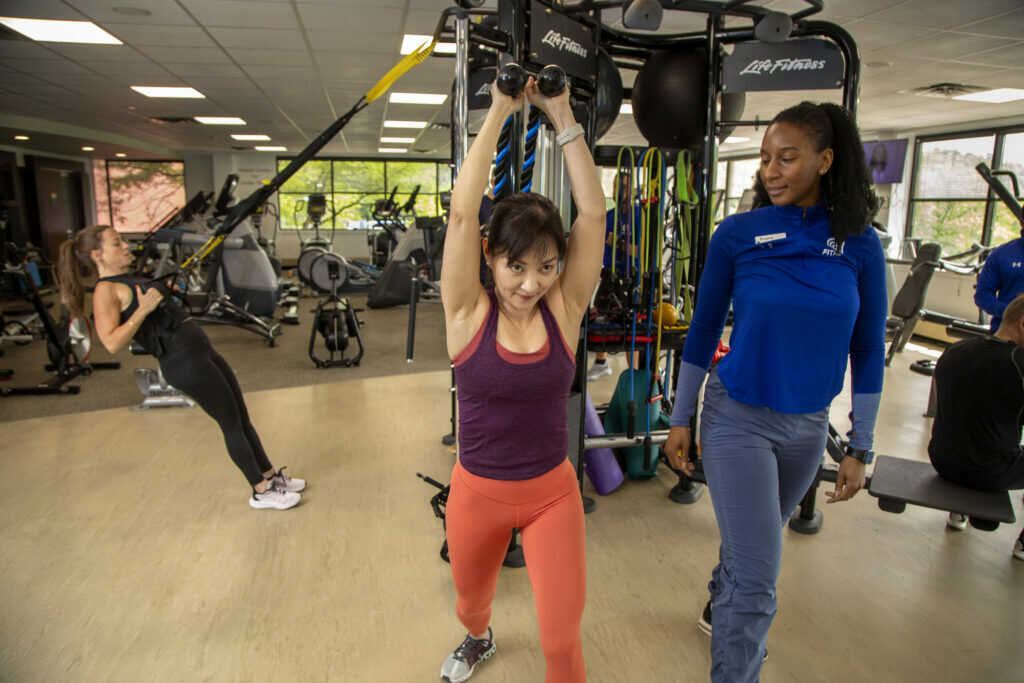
(950, 202)
(353, 186)
(733, 177)
(134, 196)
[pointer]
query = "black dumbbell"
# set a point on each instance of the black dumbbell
(511, 79)
(551, 80)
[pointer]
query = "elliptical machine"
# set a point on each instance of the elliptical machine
(334, 318)
(384, 240)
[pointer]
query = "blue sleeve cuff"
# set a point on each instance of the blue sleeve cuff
(863, 416)
(691, 377)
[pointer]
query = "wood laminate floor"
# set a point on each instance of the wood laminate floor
(130, 554)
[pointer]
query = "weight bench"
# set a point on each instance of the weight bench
(898, 481)
(156, 392)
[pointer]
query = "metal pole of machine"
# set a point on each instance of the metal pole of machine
(459, 111)
(460, 130)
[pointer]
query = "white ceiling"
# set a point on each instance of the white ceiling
(290, 67)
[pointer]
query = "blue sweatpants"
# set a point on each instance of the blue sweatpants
(758, 464)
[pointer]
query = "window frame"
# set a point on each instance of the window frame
(106, 180)
(386, 161)
(991, 201)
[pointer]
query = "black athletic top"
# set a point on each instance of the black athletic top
(979, 385)
(160, 326)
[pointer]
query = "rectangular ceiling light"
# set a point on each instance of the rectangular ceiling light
(405, 124)
(411, 41)
(400, 141)
(997, 96)
(161, 91)
(52, 31)
(220, 120)
(731, 140)
(270, 148)
(392, 150)
(250, 136)
(416, 98)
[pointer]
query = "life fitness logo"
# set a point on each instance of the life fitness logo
(770, 66)
(831, 248)
(565, 44)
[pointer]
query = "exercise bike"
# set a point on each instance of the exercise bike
(334, 319)
(68, 341)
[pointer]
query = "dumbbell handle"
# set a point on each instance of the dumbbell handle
(512, 79)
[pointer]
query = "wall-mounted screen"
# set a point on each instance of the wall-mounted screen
(885, 160)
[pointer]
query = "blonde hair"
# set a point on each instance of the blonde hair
(75, 263)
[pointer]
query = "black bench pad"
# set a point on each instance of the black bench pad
(898, 481)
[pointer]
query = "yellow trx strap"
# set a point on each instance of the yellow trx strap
(398, 70)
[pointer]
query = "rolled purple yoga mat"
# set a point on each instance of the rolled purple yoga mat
(600, 464)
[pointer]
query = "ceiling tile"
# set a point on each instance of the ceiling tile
(242, 13)
(144, 73)
(355, 43)
(206, 73)
(1007, 25)
(336, 16)
(24, 49)
(256, 37)
(140, 35)
(186, 55)
(99, 53)
(943, 14)
(160, 12)
(39, 9)
(946, 45)
(43, 67)
(872, 35)
(254, 56)
(1008, 56)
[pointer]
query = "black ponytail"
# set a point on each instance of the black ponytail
(852, 201)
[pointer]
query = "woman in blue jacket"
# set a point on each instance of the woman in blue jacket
(806, 279)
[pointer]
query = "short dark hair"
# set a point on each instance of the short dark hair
(523, 222)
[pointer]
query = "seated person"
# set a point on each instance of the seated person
(976, 436)
(1001, 279)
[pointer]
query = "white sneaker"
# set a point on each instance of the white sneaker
(956, 521)
(1018, 548)
(598, 370)
(283, 481)
(275, 498)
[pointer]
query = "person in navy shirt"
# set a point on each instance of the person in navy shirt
(1001, 279)
(806, 279)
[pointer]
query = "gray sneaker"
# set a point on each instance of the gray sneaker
(460, 664)
(598, 370)
(286, 483)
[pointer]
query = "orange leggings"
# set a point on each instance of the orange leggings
(480, 515)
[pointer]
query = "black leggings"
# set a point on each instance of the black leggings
(192, 366)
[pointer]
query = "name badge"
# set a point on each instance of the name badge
(764, 239)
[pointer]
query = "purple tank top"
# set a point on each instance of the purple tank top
(513, 407)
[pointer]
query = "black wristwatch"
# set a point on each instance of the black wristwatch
(859, 454)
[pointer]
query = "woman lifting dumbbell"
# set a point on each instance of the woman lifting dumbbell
(128, 306)
(514, 349)
(806, 278)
